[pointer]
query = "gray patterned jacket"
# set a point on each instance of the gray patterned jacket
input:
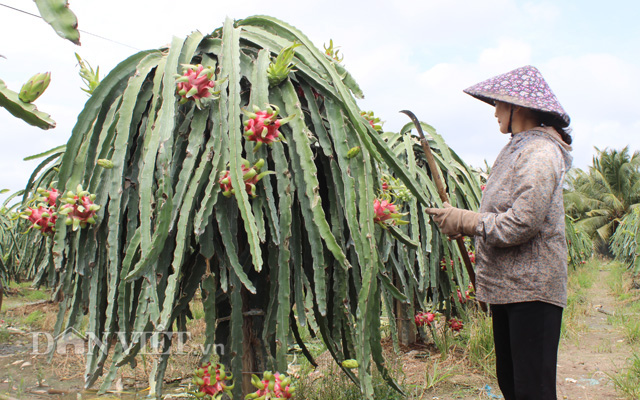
(521, 251)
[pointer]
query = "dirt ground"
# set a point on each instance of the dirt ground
(588, 360)
(592, 353)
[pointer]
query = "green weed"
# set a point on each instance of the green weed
(578, 304)
(628, 382)
(332, 384)
(631, 328)
(435, 375)
(605, 346)
(36, 295)
(616, 279)
(478, 336)
(34, 319)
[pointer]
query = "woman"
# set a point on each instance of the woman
(521, 252)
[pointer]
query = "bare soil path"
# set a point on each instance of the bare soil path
(597, 351)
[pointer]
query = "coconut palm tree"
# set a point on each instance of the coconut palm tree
(601, 198)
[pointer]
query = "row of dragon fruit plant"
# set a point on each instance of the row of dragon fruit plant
(298, 230)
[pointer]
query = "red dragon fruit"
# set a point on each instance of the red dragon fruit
(272, 386)
(79, 208)
(262, 127)
(385, 185)
(470, 292)
(456, 325)
(462, 299)
(472, 257)
(443, 264)
(196, 83)
(386, 213)
(250, 176)
(424, 318)
(42, 218)
(212, 381)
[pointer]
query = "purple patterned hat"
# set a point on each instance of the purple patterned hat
(525, 87)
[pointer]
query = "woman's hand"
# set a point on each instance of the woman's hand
(454, 222)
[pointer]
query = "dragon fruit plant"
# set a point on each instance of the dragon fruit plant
(212, 381)
(262, 126)
(186, 211)
(271, 387)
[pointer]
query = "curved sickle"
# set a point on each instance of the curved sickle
(435, 173)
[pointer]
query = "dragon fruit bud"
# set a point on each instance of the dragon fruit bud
(354, 151)
(107, 164)
(350, 363)
(34, 88)
(280, 69)
(332, 52)
(374, 121)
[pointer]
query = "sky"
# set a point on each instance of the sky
(417, 55)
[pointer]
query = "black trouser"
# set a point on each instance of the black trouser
(526, 336)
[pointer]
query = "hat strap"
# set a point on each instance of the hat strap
(510, 130)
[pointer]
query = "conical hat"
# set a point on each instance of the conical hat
(525, 87)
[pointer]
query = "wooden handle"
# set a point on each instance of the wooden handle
(443, 196)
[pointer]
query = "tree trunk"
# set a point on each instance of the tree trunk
(253, 351)
(404, 320)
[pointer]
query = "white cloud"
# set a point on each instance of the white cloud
(509, 54)
(542, 11)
